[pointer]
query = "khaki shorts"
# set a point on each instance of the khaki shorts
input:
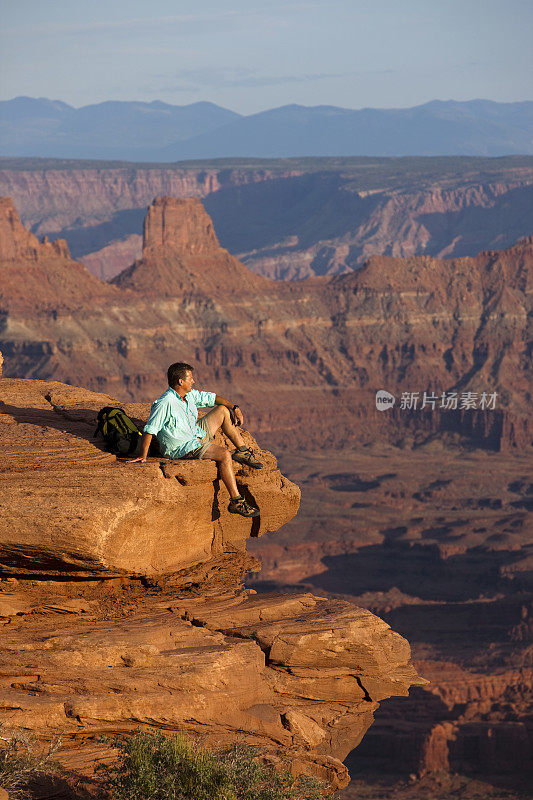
(206, 441)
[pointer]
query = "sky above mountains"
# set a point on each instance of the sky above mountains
(249, 56)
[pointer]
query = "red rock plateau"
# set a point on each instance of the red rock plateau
(287, 218)
(122, 603)
(421, 515)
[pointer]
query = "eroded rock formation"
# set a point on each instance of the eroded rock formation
(16, 243)
(40, 277)
(437, 541)
(182, 255)
(439, 220)
(288, 219)
(407, 325)
(151, 526)
(157, 628)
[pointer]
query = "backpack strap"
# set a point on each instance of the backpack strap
(133, 443)
(102, 416)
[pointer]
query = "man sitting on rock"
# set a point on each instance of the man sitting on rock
(174, 420)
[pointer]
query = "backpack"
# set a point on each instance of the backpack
(121, 434)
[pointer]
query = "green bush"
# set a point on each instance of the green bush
(21, 761)
(151, 765)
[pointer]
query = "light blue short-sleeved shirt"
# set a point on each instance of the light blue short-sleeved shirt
(174, 420)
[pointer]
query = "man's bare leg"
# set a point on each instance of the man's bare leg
(222, 456)
(237, 504)
(220, 417)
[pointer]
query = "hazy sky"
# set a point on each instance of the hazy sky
(249, 56)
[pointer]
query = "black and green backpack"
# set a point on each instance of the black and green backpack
(121, 434)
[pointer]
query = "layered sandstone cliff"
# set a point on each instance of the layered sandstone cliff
(408, 325)
(330, 223)
(53, 199)
(287, 219)
(437, 541)
(120, 586)
(40, 277)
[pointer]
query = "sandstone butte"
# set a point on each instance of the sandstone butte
(280, 220)
(122, 604)
(404, 324)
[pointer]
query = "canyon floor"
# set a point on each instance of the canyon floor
(437, 541)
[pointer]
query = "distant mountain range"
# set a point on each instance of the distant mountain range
(159, 132)
(116, 130)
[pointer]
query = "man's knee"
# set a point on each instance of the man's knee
(219, 416)
(226, 457)
(218, 453)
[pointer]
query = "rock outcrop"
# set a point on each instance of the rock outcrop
(407, 325)
(40, 277)
(181, 254)
(113, 518)
(120, 587)
(18, 244)
(288, 219)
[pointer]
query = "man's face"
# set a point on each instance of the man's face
(187, 382)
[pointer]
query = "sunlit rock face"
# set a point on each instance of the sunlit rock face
(289, 353)
(106, 517)
(121, 587)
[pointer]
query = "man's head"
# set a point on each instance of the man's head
(180, 377)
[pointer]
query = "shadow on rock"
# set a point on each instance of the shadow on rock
(418, 571)
(71, 787)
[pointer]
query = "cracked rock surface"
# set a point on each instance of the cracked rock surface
(300, 676)
(121, 603)
(68, 506)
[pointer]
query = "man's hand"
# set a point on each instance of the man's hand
(145, 445)
(235, 412)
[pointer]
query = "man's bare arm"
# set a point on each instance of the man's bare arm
(221, 401)
(145, 446)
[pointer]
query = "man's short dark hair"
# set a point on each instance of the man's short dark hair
(177, 371)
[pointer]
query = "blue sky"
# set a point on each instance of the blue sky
(247, 56)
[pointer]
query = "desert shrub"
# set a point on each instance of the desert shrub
(173, 768)
(21, 761)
